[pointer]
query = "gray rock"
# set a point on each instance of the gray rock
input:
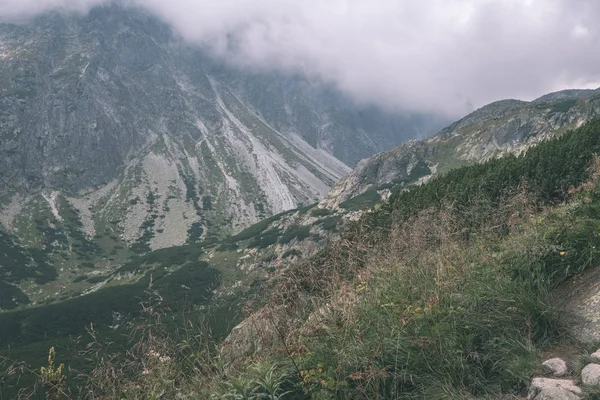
(77, 121)
(556, 366)
(554, 389)
(580, 299)
(590, 375)
(596, 354)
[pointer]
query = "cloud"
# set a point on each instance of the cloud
(445, 56)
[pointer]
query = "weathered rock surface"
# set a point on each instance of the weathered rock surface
(262, 330)
(107, 107)
(590, 375)
(556, 366)
(579, 298)
(554, 389)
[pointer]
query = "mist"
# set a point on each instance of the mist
(441, 56)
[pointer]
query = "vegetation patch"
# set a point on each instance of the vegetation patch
(71, 317)
(195, 232)
(329, 224)
(257, 228)
(320, 212)
(363, 201)
(297, 232)
(265, 239)
(292, 253)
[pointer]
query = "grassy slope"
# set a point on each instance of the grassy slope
(442, 293)
(439, 293)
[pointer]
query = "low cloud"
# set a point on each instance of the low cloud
(445, 56)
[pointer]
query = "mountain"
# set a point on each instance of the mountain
(117, 139)
(73, 245)
(500, 128)
(58, 282)
(426, 296)
(110, 106)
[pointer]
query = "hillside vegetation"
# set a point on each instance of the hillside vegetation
(442, 292)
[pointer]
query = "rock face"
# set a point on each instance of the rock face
(579, 297)
(554, 389)
(504, 127)
(111, 114)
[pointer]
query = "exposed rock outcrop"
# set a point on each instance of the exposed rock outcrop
(554, 389)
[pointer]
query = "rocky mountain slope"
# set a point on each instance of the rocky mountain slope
(504, 127)
(109, 106)
(117, 139)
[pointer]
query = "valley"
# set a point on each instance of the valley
(173, 225)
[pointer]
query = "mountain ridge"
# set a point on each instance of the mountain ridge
(500, 128)
(112, 102)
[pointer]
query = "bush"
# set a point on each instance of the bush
(320, 212)
(298, 232)
(292, 253)
(265, 239)
(329, 224)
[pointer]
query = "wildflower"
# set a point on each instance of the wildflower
(362, 286)
(562, 253)
(164, 359)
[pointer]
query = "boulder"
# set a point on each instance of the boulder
(579, 298)
(556, 366)
(590, 375)
(554, 389)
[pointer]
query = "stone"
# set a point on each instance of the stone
(554, 389)
(590, 375)
(596, 354)
(579, 298)
(556, 366)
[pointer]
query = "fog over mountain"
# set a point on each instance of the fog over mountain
(434, 55)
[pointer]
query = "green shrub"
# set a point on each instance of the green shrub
(298, 232)
(266, 239)
(292, 253)
(320, 212)
(363, 201)
(329, 224)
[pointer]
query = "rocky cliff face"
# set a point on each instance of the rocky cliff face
(109, 114)
(508, 126)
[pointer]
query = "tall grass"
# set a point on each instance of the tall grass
(433, 310)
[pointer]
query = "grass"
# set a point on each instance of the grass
(442, 293)
(428, 313)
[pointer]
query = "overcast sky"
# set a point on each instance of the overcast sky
(446, 56)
